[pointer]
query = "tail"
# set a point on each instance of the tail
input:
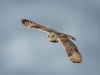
(71, 37)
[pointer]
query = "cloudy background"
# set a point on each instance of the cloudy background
(25, 51)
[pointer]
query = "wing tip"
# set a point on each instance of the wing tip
(23, 21)
(77, 61)
(26, 22)
(76, 58)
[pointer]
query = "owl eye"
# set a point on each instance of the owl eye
(53, 35)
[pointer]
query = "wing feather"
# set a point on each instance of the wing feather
(36, 26)
(71, 50)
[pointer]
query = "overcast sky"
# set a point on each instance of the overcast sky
(25, 51)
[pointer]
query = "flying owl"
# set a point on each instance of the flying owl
(55, 36)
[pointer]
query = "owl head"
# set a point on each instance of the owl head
(52, 37)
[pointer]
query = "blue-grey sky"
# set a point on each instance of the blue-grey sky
(25, 51)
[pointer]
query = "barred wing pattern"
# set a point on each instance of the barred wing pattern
(36, 26)
(71, 50)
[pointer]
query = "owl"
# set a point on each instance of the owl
(54, 36)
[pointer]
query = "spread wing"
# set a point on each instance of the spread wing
(36, 26)
(71, 50)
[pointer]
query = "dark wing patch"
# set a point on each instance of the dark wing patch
(71, 50)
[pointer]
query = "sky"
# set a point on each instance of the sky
(25, 51)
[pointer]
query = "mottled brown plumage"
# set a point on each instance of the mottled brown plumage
(71, 50)
(54, 36)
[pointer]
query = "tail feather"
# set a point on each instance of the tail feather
(71, 37)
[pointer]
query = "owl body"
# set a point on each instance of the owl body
(54, 36)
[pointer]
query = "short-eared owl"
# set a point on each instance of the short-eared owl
(54, 36)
